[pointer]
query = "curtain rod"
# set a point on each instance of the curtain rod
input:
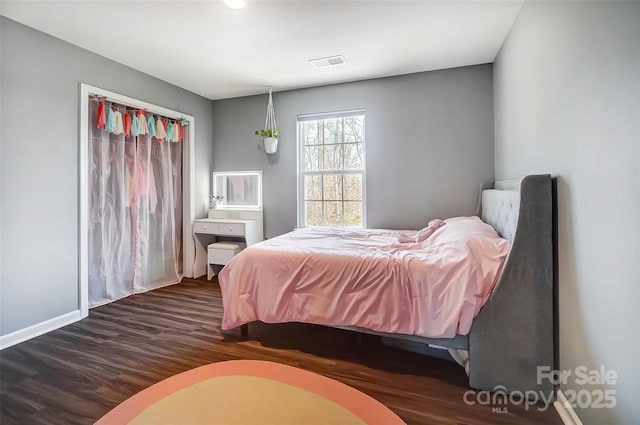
(126, 105)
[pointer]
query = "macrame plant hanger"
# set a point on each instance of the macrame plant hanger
(271, 143)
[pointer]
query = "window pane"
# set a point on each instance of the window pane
(313, 213)
(312, 158)
(333, 157)
(332, 131)
(310, 132)
(313, 188)
(332, 187)
(333, 214)
(353, 129)
(353, 155)
(352, 214)
(352, 187)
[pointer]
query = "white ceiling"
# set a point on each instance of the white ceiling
(217, 52)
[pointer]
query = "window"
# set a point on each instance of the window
(331, 170)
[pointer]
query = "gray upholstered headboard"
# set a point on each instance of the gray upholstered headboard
(513, 333)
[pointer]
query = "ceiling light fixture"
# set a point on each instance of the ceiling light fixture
(328, 61)
(235, 4)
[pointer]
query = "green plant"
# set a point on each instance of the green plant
(268, 133)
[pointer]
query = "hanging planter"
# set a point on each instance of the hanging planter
(271, 132)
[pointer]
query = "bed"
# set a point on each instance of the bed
(494, 313)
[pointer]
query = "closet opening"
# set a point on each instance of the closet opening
(136, 196)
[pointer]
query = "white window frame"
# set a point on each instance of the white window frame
(300, 153)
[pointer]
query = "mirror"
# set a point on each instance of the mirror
(237, 189)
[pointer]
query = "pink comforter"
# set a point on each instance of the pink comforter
(366, 278)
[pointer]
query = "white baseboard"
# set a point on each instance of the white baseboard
(564, 409)
(38, 329)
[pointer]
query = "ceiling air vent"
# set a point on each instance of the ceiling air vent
(327, 62)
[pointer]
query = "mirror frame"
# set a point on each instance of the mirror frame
(224, 205)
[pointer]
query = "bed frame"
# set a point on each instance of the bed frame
(513, 334)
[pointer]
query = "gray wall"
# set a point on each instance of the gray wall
(40, 77)
(567, 102)
(429, 144)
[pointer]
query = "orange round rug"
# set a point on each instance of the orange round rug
(249, 392)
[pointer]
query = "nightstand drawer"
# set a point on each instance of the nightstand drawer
(235, 229)
(205, 227)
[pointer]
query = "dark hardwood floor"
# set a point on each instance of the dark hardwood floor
(76, 374)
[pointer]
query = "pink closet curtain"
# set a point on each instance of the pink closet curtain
(135, 212)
